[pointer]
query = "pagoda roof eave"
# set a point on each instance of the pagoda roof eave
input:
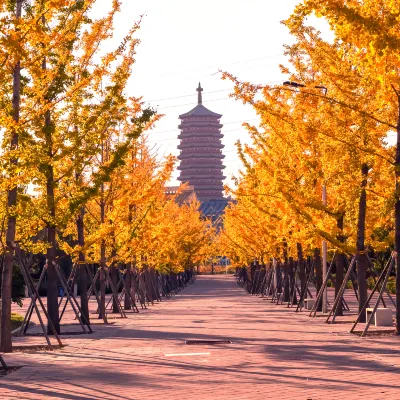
(200, 111)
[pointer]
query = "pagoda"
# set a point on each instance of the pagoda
(201, 154)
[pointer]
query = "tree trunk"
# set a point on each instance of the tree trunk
(286, 279)
(270, 286)
(133, 274)
(114, 277)
(6, 282)
(361, 260)
(292, 281)
(147, 281)
(286, 274)
(102, 308)
(52, 278)
(340, 262)
(155, 286)
(318, 273)
(128, 291)
(82, 277)
(397, 222)
(301, 265)
(142, 288)
(277, 277)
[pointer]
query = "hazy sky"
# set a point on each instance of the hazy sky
(185, 41)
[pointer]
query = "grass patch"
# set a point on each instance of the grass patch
(16, 320)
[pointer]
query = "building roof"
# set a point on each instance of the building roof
(182, 196)
(185, 197)
(213, 208)
(200, 111)
(210, 209)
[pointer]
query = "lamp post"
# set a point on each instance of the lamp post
(324, 260)
(293, 84)
(324, 202)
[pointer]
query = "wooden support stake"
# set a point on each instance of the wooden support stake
(115, 294)
(28, 315)
(321, 292)
(3, 363)
(341, 292)
(384, 276)
(72, 300)
(33, 290)
(386, 290)
(305, 290)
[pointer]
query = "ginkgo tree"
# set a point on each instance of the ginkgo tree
(371, 29)
(68, 132)
(322, 130)
(73, 152)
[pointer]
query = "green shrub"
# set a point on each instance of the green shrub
(18, 285)
(16, 320)
(391, 284)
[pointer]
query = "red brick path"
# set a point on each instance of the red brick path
(276, 354)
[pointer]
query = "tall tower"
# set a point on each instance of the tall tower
(201, 156)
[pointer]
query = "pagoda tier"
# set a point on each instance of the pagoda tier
(201, 156)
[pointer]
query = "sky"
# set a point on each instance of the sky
(184, 42)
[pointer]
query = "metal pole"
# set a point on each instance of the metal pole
(324, 244)
(324, 260)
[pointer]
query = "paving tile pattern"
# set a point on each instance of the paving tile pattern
(275, 354)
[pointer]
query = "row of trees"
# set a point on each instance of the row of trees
(76, 172)
(330, 128)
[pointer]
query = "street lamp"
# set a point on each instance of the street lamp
(293, 84)
(324, 202)
(297, 85)
(324, 88)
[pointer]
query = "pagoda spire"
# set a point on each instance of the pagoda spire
(199, 96)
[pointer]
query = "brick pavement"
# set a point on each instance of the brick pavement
(275, 353)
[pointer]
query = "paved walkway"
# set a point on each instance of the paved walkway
(275, 353)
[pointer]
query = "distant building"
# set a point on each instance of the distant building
(183, 196)
(201, 158)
